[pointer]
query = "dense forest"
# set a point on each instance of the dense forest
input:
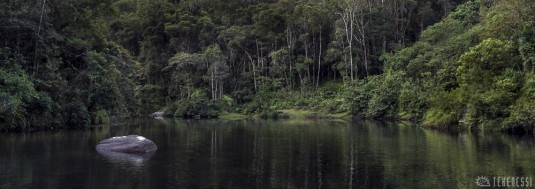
(76, 63)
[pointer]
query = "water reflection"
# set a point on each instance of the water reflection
(264, 154)
(131, 158)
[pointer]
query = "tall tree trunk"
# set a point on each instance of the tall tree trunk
(361, 37)
(301, 81)
(259, 60)
(306, 58)
(319, 63)
(312, 78)
(37, 38)
(348, 17)
(221, 89)
(212, 83)
(384, 22)
(290, 42)
(254, 70)
(365, 46)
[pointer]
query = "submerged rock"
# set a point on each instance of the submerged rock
(127, 144)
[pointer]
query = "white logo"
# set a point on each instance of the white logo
(482, 181)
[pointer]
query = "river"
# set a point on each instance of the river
(265, 154)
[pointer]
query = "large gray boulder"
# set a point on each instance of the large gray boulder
(127, 144)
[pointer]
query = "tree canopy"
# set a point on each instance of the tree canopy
(440, 62)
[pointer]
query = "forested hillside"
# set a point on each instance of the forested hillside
(74, 63)
(57, 66)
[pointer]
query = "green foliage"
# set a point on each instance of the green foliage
(412, 101)
(526, 48)
(383, 101)
(17, 92)
(59, 69)
(523, 109)
(272, 114)
(435, 117)
(452, 76)
(488, 80)
(150, 97)
(446, 109)
(468, 13)
(248, 50)
(197, 58)
(358, 94)
(375, 97)
(76, 115)
(102, 117)
(330, 98)
(104, 90)
(197, 108)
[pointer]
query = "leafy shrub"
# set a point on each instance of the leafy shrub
(76, 115)
(272, 114)
(524, 108)
(488, 82)
(446, 109)
(412, 101)
(101, 117)
(436, 117)
(357, 94)
(150, 98)
(42, 109)
(383, 102)
(377, 97)
(17, 91)
(197, 108)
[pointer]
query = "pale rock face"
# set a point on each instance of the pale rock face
(127, 144)
(157, 115)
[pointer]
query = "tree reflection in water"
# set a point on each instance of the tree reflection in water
(264, 154)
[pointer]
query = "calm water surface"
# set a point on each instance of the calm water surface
(264, 154)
